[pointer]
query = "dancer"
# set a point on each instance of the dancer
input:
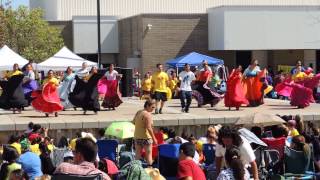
(85, 93)
(112, 98)
(186, 77)
(252, 84)
(160, 82)
(234, 96)
(299, 75)
(47, 100)
(29, 82)
(203, 93)
(302, 91)
(83, 73)
(12, 96)
(66, 87)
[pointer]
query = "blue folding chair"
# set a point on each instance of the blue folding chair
(168, 159)
(209, 153)
(107, 149)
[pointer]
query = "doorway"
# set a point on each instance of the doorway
(318, 60)
(243, 58)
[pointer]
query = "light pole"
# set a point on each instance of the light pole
(99, 34)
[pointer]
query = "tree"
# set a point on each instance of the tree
(28, 34)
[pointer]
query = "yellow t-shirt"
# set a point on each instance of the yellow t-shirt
(17, 146)
(159, 80)
(146, 85)
(72, 144)
(35, 149)
(50, 147)
(173, 84)
(294, 132)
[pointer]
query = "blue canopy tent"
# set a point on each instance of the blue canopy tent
(194, 59)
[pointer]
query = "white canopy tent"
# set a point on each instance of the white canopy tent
(8, 58)
(62, 59)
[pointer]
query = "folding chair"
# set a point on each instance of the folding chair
(168, 159)
(76, 177)
(107, 149)
(296, 164)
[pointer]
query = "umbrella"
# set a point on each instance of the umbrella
(260, 119)
(121, 130)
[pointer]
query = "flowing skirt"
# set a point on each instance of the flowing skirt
(12, 95)
(64, 90)
(282, 89)
(253, 89)
(28, 87)
(234, 96)
(112, 97)
(205, 95)
(301, 96)
(47, 100)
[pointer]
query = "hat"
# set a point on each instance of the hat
(292, 123)
(24, 144)
(88, 135)
(68, 154)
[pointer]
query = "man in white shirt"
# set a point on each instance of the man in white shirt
(229, 137)
(186, 77)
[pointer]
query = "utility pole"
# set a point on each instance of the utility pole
(99, 33)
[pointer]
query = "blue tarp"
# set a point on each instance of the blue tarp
(194, 59)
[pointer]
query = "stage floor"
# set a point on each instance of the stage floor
(172, 116)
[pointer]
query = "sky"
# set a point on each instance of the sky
(17, 3)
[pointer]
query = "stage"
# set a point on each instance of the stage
(75, 120)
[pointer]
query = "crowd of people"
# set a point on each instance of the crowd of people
(34, 155)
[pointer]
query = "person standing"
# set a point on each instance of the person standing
(186, 77)
(160, 82)
(143, 135)
(66, 87)
(146, 85)
(29, 82)
(112, 98)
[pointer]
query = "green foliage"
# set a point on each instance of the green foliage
(28, 34)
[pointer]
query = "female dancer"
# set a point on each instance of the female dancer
(12, 96)
(29, 82)
(47, 100)
(252, 84)
(112, 97)
(85, 92)
(203, 93)
(66, 87)
(234, 96)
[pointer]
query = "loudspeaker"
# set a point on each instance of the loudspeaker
(125, 87)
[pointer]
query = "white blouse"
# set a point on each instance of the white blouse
(111, 76)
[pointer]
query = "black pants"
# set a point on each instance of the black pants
(185, 95)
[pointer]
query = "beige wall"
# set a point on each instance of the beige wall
(285, 57)
(310, 57)
(262, 57)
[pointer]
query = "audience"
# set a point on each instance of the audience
(18, 174)
(292, 128)
(46, 162)
(229, 137)
(29, 161)
(236, 170)
(84, 158)
(187, 168)
(10, 156)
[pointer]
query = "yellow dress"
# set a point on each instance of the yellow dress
(13, 73)
(299, 76)
(51, 80)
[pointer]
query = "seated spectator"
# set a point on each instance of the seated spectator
(14, 141)
(84, 158)
(278, 141)
(292, 128)
(236, 169)
(63, 142)
(187, 168)
(18, 174)
(10, 155)
(34, 147)
(299, 124)
(211, 136)
(30, 162)
(49, 143)
(229, 137)
(46, 163)
(101, 134)
(68, 157)
(299, 144)
(315, 141)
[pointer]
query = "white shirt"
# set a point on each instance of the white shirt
(247, 154)
(111, 76)
(186, 79)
